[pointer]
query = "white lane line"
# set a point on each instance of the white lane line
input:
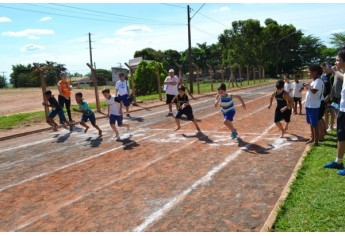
(202, 181)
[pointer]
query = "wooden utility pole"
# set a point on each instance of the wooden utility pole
(197, 77)
(43, 86)
(94, 79)
(131, 71)
(211, 75)
(181, 80)
(190, 53)
(159, 84)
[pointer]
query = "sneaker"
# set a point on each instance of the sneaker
(128, 115)
(234, 134)
(341, 172)
(170, 114)
(334, 165)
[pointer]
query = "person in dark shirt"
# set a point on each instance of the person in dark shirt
(183, 108)
(56, 110)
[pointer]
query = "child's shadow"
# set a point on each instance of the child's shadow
(62, 138)
(138, 119)
(201, 136)
(186, 119)
(299, 138)
(95, 142)
(128, 143)
(253, 148)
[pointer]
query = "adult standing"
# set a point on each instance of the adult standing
(64, 97)
(338, 163)
(170, 84)
(122, 92)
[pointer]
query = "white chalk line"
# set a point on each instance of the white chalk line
(121, 178)
(202, 181)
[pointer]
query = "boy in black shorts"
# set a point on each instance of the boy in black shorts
(183, 108)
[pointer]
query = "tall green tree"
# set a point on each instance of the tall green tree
(20, 75)
(338, 40)
(3, 83)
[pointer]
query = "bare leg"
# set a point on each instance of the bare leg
(282, 130)
(115, 130)
(300, 107)
(311, 140)
(287, 126)
(99, 130)
(295, 108)
(229, 124)
(341, 149)
(196, 125)
(170, 107)
(178, 124)
(84, 125)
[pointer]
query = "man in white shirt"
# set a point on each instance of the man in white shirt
(338, 163)
(288, 85)
(171, 82)
(297, 94)
(122, 92)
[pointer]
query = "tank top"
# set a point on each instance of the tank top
(226, 103)
(64, 86)
(281, 101)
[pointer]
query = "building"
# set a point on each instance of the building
(115, 71)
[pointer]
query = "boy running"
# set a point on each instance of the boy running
(283, 109)
(183, 107)
(227, 106)
(115, 113)
(56, 110)
(87, 113)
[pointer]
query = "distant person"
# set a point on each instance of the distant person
(297, 94)
(288, 85)
(336, 88)
(170, 84)
(87, 113)
(284, 107)
(115, 112)
(56, 110)
(227, 106)
(313, 102)
(183, 108)
(122, 91)
(338, 163)
(329, 111)
(64, 97)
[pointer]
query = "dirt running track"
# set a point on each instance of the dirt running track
(156, 180)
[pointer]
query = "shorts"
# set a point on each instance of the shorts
(341, 126)
(91, 117)
(53, 113)
(188, 111)
(124, 99)
(114, 118)
(229, 115)
(169, 98)
(312, 115)
(295, 99)
(322, 110)
(279, 116)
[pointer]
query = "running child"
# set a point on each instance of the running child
(87, 113)
(115, 112)
(284, 107)
(227, 106)
(56, 110)
(183, 107)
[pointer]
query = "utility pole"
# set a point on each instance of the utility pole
(190, 53)
(90, 49)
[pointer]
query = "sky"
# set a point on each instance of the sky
(35, 31)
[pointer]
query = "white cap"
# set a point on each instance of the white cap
(171, 70)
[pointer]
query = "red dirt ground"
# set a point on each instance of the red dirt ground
(157, 180)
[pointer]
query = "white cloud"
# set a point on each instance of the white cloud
(224, 9)
(31, 47)
(337, 31)
(45, 18)
(133, 29)
(30, 33)
(5, 19)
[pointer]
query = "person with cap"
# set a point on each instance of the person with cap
(64, 97)
(170, 83)
(122, 92)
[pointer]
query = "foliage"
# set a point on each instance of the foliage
(3, 83)
(338, 40)
(103, 76)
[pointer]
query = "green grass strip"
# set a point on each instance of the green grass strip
(316, 200)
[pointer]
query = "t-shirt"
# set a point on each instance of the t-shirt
(326, 78)
(64, 87)
(84, 107)
(121, 87)
(55, 105)
(314, 100)
(337, 87)
(287, 87)
(114, 106)
(226, 103)
(296, 89)
(342, 100)
(171, 89)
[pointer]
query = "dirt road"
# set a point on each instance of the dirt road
(154, 179)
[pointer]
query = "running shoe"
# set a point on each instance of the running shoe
(334, 165)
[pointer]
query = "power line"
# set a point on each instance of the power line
(213, 20)
(198, 10)
(174, 5)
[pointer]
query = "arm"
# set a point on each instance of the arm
(289, 99)
(108, 110)
(121, 105)
(271, 100)
(241, 100)
(216, 102)
(310, 88)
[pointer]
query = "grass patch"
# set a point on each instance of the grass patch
(8, 122)
(315, 202)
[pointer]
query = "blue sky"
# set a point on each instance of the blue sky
(36, 32)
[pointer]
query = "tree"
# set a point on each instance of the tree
(338, 40)
(149, 54)
(169, 58)
(3, 83)
(103, 76)
(20, 74)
